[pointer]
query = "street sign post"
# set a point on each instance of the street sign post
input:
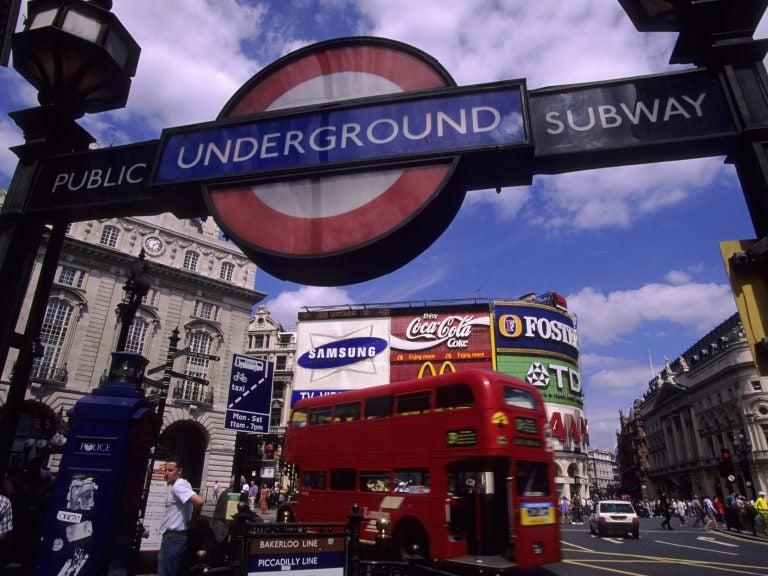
(189, 377)
(250, 395)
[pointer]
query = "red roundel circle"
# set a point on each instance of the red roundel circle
(347, 227)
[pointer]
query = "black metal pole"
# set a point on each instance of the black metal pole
(23, 367)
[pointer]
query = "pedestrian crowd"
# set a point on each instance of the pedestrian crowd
(735, 514)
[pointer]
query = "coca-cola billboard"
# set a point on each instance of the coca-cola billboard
(435, 341)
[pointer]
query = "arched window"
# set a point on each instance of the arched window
(227, 272)
(53, 335)
(136, 335)
(190, 260)
(109, 236)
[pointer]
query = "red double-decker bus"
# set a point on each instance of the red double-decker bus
(457, 464)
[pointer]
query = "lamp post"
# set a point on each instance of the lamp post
(743, 448)
(136, 288)
(81, 60)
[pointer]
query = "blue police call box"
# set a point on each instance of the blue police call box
(91, 523)
(250, 394)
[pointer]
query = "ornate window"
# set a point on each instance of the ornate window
(192, 391)
(53, 335)
(136, 336)
(109, 236)
(206, 310)
(227, 272)
(71, 276)
(190, 260)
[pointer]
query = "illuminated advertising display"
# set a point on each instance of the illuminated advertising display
(341, 354)
(435, 341)
(535, 329)
(558, 380)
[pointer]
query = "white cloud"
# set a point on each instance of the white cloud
(285, 307)
(606, 318)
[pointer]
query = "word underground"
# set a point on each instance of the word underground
(352, 134)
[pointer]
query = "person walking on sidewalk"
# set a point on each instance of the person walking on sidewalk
(699, 512)
(761, 506)
(182, 510)
(665, 511)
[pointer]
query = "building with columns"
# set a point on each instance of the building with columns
(705, 417)
(202, 287)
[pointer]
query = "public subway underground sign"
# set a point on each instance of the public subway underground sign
(344, 160)
(340, 162)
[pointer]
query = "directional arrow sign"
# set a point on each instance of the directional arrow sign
(250, 394)
(190, 354)
(188, 377)
(180, 352)
(155, 370)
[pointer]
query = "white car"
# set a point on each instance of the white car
(614, 517)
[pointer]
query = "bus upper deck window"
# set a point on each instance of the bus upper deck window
(347, 412)
(299, 418)
(320, 415)
(519, 398)
(453, 396)
(378, 407)
(414, 403)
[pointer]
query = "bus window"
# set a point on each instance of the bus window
(519, 398)
(532, 478)
(374, 481)
(343, 479)
(320, 415)
(413, 403)
(314, 480)
(378, 407)
(298, 418)
(413, 481)
(347, 412)
(455, 396)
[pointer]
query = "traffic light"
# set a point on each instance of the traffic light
(726, 463)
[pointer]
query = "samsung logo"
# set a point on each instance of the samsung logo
(342, 353)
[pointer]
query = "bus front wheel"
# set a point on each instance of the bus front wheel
(410, 539)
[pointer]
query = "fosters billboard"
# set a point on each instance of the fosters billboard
(540, 345)
(434, 341)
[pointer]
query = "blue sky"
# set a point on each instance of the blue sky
(634, 249)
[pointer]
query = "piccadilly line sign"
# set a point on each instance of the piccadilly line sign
(386, 130)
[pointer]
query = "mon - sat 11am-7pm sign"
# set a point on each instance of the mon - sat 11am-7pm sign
(250, 394)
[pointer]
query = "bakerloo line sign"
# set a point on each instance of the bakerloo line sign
(344, 160)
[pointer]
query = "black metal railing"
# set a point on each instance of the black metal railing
(248, 526)
(49, 374)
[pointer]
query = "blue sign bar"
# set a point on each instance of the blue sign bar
(250, 394)
(454, 121)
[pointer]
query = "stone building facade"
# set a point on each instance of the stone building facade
(202, 287)
(259, 454)
(703, 410)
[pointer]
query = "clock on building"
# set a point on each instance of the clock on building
(153, 244)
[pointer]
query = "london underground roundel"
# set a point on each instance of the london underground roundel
(347, 226)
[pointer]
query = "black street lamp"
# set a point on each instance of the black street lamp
(80, 59)
(136, 288)
(743, 448)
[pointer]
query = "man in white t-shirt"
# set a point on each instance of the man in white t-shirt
(182, 510)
